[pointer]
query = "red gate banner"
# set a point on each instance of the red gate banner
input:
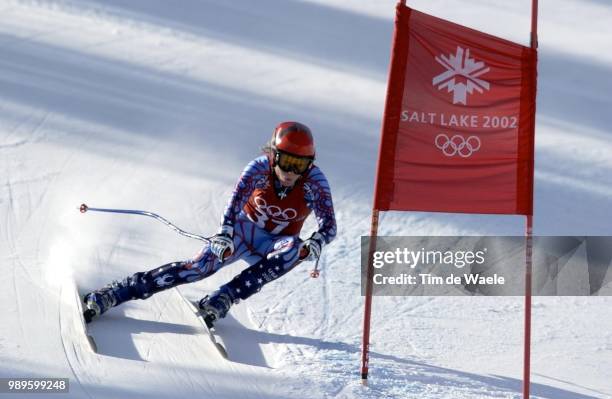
(458, 130)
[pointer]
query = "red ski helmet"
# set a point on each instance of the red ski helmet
(293, 138)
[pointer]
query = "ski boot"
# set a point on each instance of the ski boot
(99, 301)
(214, 307)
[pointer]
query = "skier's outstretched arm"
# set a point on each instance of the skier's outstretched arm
(252, 177)
(319, 199)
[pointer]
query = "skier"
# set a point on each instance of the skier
(261, 225)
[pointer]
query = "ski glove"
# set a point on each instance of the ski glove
(314, 245)
(222, 243)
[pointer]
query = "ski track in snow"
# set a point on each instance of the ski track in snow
(68, 344)
(131, 104)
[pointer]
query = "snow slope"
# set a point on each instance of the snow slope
(149, 105)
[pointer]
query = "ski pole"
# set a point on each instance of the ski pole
(314, 273)
(303, 254)
(84, 208)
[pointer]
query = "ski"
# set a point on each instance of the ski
(212, 333)
(81, 310)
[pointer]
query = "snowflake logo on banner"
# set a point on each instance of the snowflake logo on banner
(461, 76)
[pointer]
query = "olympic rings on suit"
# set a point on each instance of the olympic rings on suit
(274, 211)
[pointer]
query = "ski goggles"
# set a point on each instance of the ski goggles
(292, 163)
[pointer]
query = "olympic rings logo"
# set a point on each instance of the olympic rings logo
(274, 211)
(457, 145)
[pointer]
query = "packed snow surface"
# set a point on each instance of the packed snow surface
(158, 105)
